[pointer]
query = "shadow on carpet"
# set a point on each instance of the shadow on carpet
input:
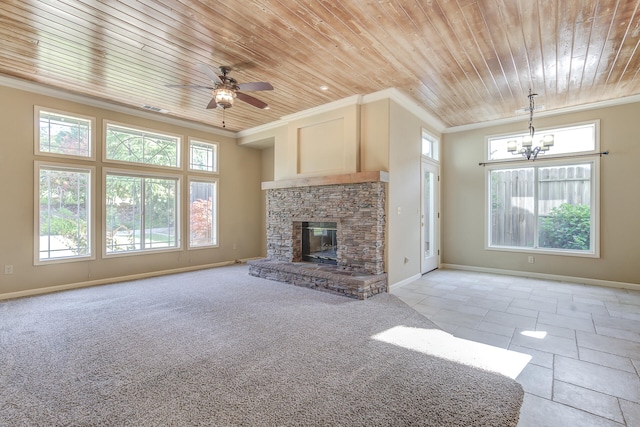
(219, 347)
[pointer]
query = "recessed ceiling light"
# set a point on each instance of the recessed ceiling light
(324, 87)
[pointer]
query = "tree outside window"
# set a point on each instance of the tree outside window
(202, 213)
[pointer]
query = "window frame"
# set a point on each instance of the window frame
(37, 110)
(538, 164)
(38, 166)
(105, 125)
(214, 207)
(216, 145)
(434, 145)
(141, 174)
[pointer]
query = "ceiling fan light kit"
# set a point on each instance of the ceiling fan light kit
(226, 89)
(224, 97)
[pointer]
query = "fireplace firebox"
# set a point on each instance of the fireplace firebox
(319, 242)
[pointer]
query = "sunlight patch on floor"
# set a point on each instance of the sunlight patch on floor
(534, 334)
(435, 342)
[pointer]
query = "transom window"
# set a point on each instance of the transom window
(430, 146)
(63, 134)
(203, 156)
(130, 145)
(570, 140)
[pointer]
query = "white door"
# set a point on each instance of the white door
(430, 216)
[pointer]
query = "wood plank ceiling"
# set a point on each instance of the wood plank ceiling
(465, 61)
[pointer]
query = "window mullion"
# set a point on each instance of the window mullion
(48, 214)
(143, 210)
(536, 222)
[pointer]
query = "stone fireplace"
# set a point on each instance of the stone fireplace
(355, 203)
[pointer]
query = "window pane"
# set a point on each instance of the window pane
(574, 139)
(203, 156)
(512, 207)
(136, 146)
(202, 221)
(123, 213)
(160, 213)
(141, 213)
(64, 135)
(564, 213)
(64, 219)
(429, 146)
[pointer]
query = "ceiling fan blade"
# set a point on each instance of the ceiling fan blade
(253, 86)
(192, 86)
(209, 73)
(212, 104)
(251, 100)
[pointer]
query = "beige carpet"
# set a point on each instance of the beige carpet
(219, 347)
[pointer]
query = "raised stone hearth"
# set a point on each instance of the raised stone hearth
(321, 277)
(356, 204)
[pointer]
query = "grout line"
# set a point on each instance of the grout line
(553, 377)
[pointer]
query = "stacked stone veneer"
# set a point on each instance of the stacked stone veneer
(358, 209)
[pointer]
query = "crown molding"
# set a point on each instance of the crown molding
(578, 108)
(262, 128)
(409, 104)
(392, 93)
(345, 102)
(41, 89)
(284, 120)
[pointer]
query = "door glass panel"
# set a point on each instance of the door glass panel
(429, 217)
(427, 214)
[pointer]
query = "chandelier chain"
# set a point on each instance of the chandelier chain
(532, 106)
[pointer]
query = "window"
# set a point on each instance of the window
(570, 140)
(63, 134)
(430, 146)
(203, 156)
(202, 213)
(63, 211)
(141, 212)
(129, 145)
(548, 205)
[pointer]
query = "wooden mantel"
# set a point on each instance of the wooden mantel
(310, 181)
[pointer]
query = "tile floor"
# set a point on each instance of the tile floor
(584, 340)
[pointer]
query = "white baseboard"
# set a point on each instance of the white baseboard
(404, 282)
(107, 281)
(559, 278)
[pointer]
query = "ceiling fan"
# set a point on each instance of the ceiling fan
(226, 89)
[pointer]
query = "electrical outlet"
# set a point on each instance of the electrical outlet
(8, 269)
(531, 260)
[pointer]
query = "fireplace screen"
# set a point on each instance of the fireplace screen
(319, 242)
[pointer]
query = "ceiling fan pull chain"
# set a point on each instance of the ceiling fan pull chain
(223, 124)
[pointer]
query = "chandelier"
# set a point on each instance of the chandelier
(528, 146)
